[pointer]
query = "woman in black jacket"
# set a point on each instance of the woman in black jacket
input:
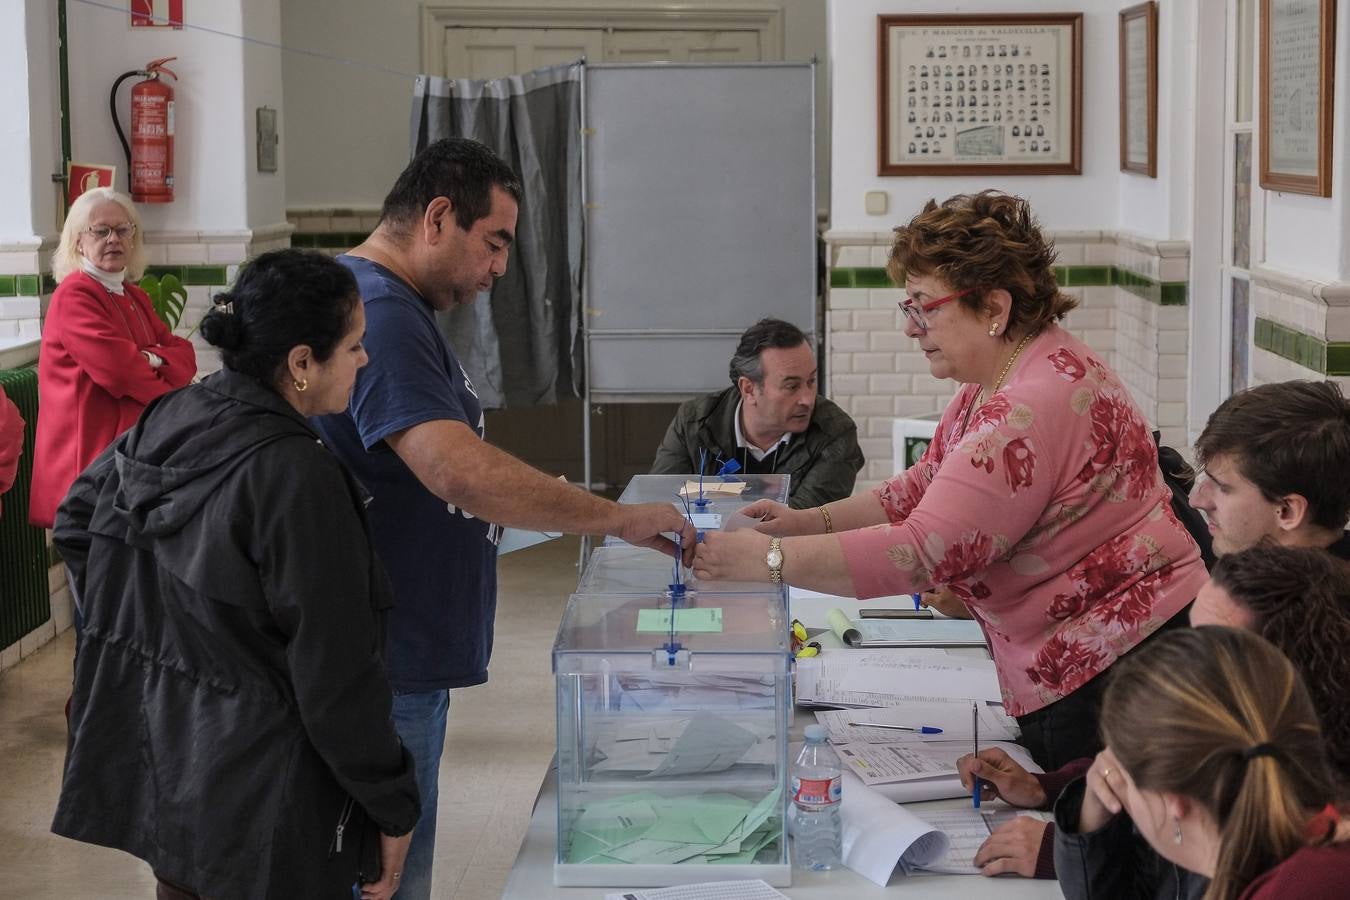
(231, 716)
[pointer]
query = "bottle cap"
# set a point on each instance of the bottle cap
(817, 732)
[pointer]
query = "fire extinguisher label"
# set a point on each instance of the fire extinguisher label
(168, 120)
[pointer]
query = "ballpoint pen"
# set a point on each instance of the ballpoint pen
(917, 729)
(975, 729)
(918, 600)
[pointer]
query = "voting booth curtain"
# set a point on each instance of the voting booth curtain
(520, 346)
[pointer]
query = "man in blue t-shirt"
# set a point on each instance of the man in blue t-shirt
(413, 436)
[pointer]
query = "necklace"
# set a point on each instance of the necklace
(979, 398)
(1008, 365)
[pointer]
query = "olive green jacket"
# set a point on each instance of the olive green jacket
(823, 461)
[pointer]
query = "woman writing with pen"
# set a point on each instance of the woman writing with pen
(1039, 502)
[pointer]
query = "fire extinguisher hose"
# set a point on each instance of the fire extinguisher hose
(117, 123)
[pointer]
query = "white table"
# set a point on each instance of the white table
(532, 875)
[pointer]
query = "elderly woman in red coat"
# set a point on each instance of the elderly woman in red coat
(11, 441)
(105, 353)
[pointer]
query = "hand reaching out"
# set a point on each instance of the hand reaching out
(777, 520)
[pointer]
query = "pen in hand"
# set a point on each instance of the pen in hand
(917, 729)
(918, 600)
(975, 729)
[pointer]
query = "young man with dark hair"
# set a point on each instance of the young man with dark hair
(413, 436)
(1276, 466)
(771, 420)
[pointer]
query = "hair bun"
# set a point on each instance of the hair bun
(222, 328)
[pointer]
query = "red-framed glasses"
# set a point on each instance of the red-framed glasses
(916, 311)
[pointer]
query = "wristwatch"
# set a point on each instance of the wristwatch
(775, 560)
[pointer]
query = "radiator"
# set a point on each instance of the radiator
(24, 599)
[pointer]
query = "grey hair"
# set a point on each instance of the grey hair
(66, 257)
(763, 335)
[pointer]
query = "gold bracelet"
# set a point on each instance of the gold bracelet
(829, 526)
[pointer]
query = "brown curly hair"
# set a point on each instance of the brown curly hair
(1299, 598)
(979, 242)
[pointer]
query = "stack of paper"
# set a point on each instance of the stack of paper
(966, 829)
(648, 828)
(891, 678)
(890, 763)
(868, 726)
(880, 836)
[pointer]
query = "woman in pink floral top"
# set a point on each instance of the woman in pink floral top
(1039, 502)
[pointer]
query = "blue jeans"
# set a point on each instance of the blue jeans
(420, 721)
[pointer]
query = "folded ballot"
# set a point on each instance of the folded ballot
(713, 487)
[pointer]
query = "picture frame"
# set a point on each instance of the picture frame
(1296, 69)
(1139, 89)
(973, 115)
(266, 119)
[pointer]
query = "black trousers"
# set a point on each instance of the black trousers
(1068, 729)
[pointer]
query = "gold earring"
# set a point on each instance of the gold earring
(301, 384)
(993, 329)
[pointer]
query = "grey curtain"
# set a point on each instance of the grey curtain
(521, 346)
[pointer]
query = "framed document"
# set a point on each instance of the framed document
(267, 139)
(986, 94)
(1297, 54)
(1139, 89)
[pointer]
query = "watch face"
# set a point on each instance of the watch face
(775, 558)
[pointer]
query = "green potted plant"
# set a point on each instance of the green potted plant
(168, 296)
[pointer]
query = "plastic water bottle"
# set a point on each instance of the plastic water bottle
(817, 795)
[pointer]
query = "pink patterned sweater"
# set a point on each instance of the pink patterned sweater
(1049, 517)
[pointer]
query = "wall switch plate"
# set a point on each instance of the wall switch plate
(876, 202)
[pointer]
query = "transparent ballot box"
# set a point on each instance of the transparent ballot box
(652, 488)
(721, 497)
(672, 745)
(625, 569)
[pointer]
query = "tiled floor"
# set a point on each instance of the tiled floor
(499, 744)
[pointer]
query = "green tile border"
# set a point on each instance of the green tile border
(191, 275)
(204, 275)
(1338, 358)
(26, 285)
(1162, 293)
(345, 240)
(1307, 350)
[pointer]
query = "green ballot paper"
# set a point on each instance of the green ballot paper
(705, 620)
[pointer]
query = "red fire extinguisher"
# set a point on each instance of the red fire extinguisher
(150, 155)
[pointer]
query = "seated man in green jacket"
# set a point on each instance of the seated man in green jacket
(771, 420)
